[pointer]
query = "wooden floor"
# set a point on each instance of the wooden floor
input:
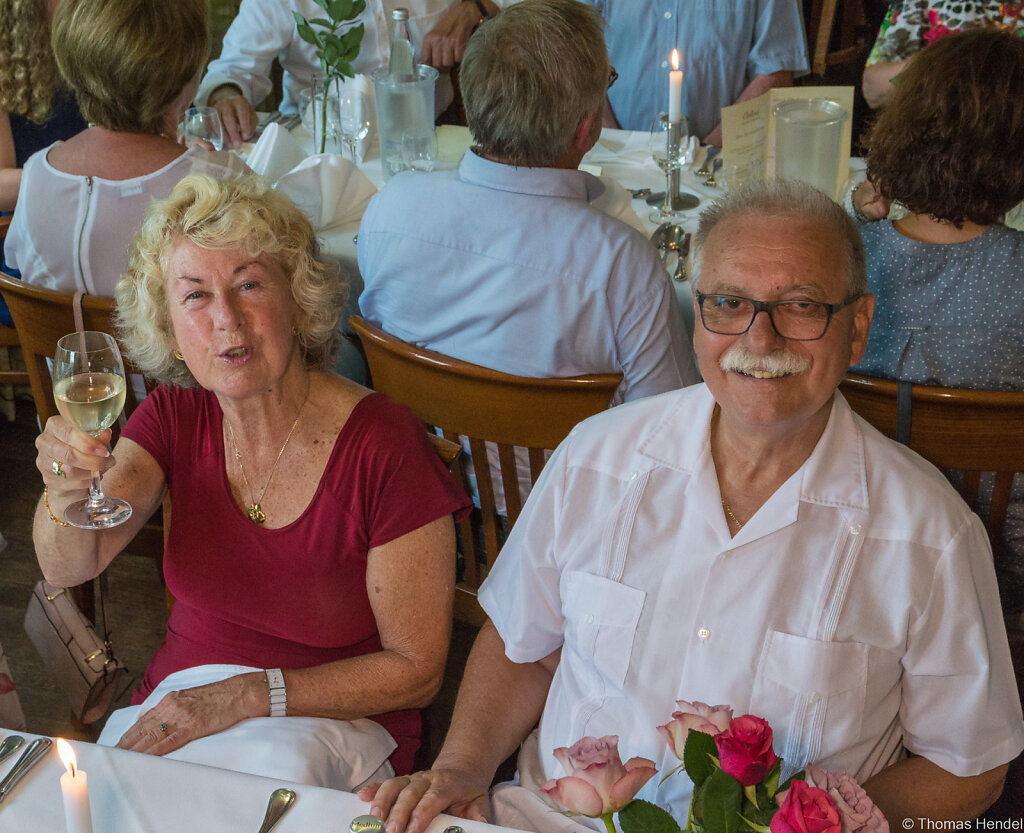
(137, 613)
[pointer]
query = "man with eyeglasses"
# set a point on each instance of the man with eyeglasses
(749, 541)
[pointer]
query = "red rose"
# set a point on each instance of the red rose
(806, 809)
(745, 749)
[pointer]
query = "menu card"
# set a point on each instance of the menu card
(748, 129)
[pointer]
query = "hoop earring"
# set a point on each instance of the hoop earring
(178, 356)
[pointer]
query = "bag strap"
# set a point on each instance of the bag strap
(100, 589)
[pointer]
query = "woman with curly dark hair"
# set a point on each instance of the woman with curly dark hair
(948, 276)
(949, 147)
(36, 109)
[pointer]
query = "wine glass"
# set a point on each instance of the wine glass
(671, 151)
(203, 123)
(89, 387)
(353, 122)
(419, 150)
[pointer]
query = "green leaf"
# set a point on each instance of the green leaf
(760, 828)
(345, 68)
(306, 32)
(751, 795)
(323, 4)
(697, 756)
(340, 10)
(358, 8)
(353, 37)
(321, 21)
(722, 799)
(643, 817)
(334, 42)
(331, 54)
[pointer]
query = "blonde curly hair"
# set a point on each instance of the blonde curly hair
(29, 79)
(220, 214)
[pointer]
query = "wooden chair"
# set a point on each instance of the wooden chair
(468, 401)
(970, 431)
(828, 47)
(9, 335)
(42, 317)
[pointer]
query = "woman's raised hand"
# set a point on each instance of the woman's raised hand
(67, 457)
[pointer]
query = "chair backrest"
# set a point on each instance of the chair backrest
(820, 18)
(970, 431)
(42, 317)
(483, 406)
(9, 335)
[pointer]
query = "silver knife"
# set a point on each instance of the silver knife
(34, 751)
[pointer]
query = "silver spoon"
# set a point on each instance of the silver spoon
(639, 193)
(33, 752)
(684, 253)
(280, 802)
(11, 744)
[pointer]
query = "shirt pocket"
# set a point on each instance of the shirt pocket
(812, 693)
(601, 620)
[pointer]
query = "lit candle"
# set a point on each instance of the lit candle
(75, 790)
(675, 90)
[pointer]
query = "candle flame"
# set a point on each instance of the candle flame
(675, 59)
(67, 755)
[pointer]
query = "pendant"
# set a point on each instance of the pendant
(255, 513)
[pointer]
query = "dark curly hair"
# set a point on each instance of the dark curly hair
(950, 142)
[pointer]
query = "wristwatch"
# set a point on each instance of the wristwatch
(278, 695)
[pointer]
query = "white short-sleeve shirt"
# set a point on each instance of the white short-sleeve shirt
(857, 611)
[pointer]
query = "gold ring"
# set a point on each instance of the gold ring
(163, 727)
(57, 467)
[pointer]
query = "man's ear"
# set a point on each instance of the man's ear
(587, 133)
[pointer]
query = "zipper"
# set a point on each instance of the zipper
(81, 231)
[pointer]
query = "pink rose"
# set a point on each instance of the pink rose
(745, 749)
(700, 717)
(596, 782)
(806, 809)
(859, 813)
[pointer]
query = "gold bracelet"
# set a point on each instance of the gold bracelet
(49, 511)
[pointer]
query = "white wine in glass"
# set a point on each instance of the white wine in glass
(89, 388)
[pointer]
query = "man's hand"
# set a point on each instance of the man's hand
(868, 203)
(410, 802)
(236, 114)
(444, 44)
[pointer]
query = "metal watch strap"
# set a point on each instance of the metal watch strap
(278, 695)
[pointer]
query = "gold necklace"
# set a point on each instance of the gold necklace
(254, 510)
(731, 516)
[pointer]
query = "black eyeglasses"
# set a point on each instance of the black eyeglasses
(613, 76)
(733, 315)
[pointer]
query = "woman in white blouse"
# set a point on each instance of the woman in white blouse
(134, 66)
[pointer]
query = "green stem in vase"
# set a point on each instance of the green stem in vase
(608, 822)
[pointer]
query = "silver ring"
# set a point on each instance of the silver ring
(57, 467)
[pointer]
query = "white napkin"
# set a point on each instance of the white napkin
(276, 153)
(339, 754)
(620, 145)
(330, 190)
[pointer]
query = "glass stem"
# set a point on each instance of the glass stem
(96, 496)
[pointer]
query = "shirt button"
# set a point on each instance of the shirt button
(664, 64)
(855, 529)
(668, 15)
(634, 475)
(704, 633)
(590, 619)
(814, 696)
(727, 554)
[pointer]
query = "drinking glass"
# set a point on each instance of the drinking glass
(203, 123)
(89, 387)
(419, 150)
(671, 157)
(353, 120)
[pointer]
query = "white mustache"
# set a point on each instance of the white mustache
(778, 363)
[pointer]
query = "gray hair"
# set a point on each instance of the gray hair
(220, 214)
(787, 198)
(530, 76)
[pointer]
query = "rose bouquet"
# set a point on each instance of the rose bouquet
(735, 774)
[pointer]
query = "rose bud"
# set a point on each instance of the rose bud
(700, 717)
(806, 809)
(596, 781)
(745, 749)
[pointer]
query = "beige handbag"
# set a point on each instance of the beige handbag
(79, 659)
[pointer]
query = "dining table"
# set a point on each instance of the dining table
(131, 792)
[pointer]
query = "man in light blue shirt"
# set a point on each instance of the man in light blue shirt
(730, 50)
(505, 263)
